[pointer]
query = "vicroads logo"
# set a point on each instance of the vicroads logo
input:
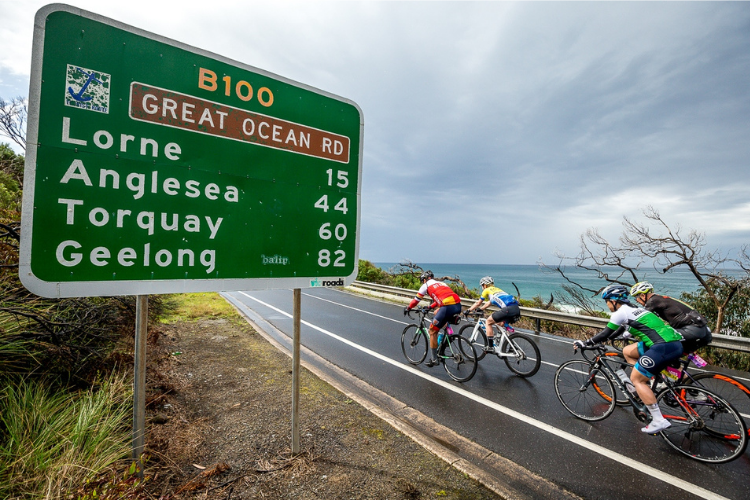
(317, 282)
(87, 89)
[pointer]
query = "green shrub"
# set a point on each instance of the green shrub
(52, 441)
(406, 276)
(10, 193)
(407, 280)
(736, 313)
(370, 273)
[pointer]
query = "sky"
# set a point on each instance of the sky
(497, 132)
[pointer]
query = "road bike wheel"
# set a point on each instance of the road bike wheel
(526, 358)
(479, 344)
(732, 390)
(414, 343)
(704, 427)
(459, 358)
(587, 394)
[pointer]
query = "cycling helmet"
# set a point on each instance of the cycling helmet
(487, 280)
(617, 293)
(641, 287)
(427, 275)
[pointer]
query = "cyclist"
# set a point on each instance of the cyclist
(507, 304)
(659, 344)
(680, 316)
(445, 299)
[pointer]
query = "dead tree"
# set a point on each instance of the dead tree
(13, 120)
(663, 247)
(670, 248)
(608, 262)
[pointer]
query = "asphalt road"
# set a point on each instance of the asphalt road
(519, 419)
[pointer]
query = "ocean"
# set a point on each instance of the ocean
(533, 281)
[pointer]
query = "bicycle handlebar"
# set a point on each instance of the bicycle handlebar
(420, 310)
(478, 314)
(601, 348)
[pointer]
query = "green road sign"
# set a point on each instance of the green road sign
(155, 167)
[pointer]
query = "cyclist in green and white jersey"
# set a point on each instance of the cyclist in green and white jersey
(659, 344)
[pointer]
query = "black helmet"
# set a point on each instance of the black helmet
(427, 275)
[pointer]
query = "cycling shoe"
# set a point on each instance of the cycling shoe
(656, 426)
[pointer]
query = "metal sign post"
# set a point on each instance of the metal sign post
(139, 381)
(156, 167)
(295, 370)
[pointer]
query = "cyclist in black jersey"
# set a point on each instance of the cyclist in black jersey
(680, 316)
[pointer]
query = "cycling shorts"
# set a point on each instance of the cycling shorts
(444, 314)
(657, 357)
(506, 313)
(695, 337)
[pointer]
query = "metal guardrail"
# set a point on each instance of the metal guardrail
(741, 344)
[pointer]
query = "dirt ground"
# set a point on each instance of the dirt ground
(219, 427)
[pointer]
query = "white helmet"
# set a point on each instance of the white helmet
(641, 287)
(487, 280)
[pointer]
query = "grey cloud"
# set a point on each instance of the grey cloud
(532, 119)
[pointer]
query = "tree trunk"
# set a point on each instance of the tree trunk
(719, 319)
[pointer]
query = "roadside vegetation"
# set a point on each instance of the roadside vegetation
(53, 439)
(65, 374)
(654, 245)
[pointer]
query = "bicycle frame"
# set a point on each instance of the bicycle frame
(482, 323)
(454, 352)
(602, 362)
(425, 324)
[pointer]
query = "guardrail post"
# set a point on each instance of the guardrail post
(538, 327)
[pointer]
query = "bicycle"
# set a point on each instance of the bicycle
(729, 388)
(519, 351)
(704, 426)
(732, 390)
(455, 353)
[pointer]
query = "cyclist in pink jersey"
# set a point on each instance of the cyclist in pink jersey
(447, 302)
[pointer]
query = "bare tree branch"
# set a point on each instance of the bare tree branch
(662, 246)
(13, 115)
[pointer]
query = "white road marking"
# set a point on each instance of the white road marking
(356, 309)
(617, 457)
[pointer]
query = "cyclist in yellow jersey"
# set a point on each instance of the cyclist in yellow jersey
(493, 296)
